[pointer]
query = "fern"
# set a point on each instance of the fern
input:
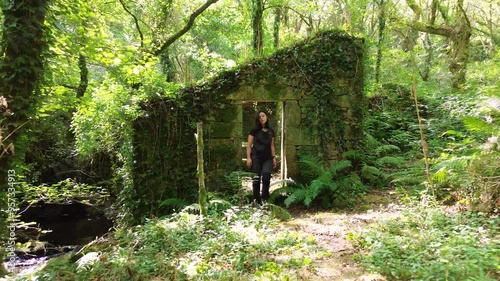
(297, 195)
(330, 184)
(371, 173)
(311, 166)
(390, 161)
(339, 166)
(457, 163)
(386, 149)
(279, 212)
(480, 125)
(370, 141)
(174, 203)
(352, 154)
(195, 208)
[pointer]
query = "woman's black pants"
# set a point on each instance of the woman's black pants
(262, 170)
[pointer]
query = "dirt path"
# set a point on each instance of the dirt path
(331, 230)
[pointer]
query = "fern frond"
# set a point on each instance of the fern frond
(174, 203)
(353, 183)
(352, 154)
(371, 173)
(284, 189)
(236, 178)
(220, 202)
(193, 207)
(312, 165)
(480, 125)
(279, 212)
(297, 196)
(370, 141)
(390, 160)
(314, 190)
(458, 163)
(386, 149)
(413, 176)
(441, 175)
(339, 166)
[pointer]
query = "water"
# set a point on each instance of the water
(70, 226)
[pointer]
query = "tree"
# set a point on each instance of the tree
(186, 28)
(258, 30)
(457, 29)
(22, 45)
(381, 27)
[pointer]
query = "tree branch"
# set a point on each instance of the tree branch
(445, 31)
(302, 17)
(186, 28)
(135, 20)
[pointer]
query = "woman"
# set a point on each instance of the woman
(261, 156)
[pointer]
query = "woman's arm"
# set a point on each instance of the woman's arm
(249, 150)
(273, 152)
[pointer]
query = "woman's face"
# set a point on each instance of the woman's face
(262, 118)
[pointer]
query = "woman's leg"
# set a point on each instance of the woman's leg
(257, 169)
(267, 169)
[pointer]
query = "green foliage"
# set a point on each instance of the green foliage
(430, 244)
(468, 171)
(332, 185)
(236, 244)
(104, 124)
(376, 162)
(235, 181)
(478, 124)
(66, 192)
(278, 212)
(174, 203)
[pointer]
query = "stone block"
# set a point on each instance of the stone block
(299, 136)
(225, 130)
(293, 114)
(232, 113)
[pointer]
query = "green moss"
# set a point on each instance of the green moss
(321, 69)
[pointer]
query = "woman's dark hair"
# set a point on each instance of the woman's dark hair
(256, 124)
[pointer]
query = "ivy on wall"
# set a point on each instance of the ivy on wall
(322, 69)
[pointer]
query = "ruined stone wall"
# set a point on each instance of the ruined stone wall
(319, 81)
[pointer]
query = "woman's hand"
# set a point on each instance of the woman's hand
(274, 162)
(249, 163)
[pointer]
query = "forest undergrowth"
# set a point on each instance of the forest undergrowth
(386, 237)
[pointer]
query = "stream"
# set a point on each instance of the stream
(71, 226)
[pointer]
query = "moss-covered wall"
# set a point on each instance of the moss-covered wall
(319, 81)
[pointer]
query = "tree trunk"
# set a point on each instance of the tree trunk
(258, 11)
(202, 191)
(167, 65)
(460, 39)
(276, 30)
(381, 27)
(84, 76)
(22, 65)
(425, 69)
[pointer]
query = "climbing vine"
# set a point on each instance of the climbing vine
(320, 69)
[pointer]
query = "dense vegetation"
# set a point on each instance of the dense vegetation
(73, 75)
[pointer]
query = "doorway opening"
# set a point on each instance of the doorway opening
(275, 110)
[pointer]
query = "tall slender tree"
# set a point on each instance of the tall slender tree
(258, 30)
(381, 27)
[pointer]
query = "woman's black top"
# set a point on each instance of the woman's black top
(261, 147)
